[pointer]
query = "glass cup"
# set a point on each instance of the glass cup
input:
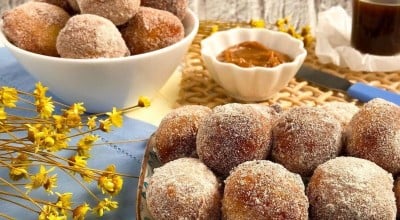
(376, 26)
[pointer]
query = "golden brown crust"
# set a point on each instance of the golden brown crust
(176, 134)
(34, 26)
(90, 36)
(152, 29)
(374, 134)
(264, 190)
(305, 137)
(118, 11)
(351, 188)
(232, 134)
(184, 189)
(177, 8)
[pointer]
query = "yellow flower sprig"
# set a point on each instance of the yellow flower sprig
(284, 25)
(28, 147)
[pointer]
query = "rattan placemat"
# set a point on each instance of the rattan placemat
(197, 87)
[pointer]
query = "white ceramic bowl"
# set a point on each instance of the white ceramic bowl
(107, 82)
(254, 83)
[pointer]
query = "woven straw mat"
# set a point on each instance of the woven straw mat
(197, 87)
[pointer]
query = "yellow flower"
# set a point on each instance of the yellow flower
(115, 117)
(8, 96)
(105, 205)
(87, 175)
(91, 123)
(257, 23)
(77, 161)
(44, 106)
(80, 212)
(40, 90)
(39, 179)
(64, 202)
(3, 114)
(85, 144)
(78, 108)
(214, 29)
(144, 101)
(110, 182)
(51, 213)
(19, 166)
(105, 125)
(50, 183)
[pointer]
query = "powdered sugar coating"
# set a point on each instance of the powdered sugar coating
(152, 29)
(176, 134)
(34, 26)
(60, 3)
(118, 11)
(305, 137)
(176, 7)
(351, 188)
(184, 189)
(232, 134)
(90, 36)
(264, 190)
(342, 111)
(374, 134)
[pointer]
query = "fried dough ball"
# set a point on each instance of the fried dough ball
(176, 7)
(396, 190)
(305, 137)
(351, 188)
(74, 5)
(261, 189)
(90, 36)
(176, 134)
(184, 189)
(342, 111)
(374, 134)
(232, 134)
(118, 11)
(152, 29)
(34, 26)
(60, 3)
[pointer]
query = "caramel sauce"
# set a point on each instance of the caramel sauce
(252, 53)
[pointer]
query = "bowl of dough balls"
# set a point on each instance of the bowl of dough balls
(102, 53)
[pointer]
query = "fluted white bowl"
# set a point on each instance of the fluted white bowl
(252, 83)
(107, 82)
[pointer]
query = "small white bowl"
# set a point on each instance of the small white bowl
(254, 83)
(107, 82)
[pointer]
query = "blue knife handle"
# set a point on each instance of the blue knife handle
(364, 93)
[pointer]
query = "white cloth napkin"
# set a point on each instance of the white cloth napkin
(333, 33)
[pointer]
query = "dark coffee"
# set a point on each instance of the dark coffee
(376, 26)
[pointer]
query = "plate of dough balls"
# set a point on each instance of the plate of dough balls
(253, 161)
(104, 53)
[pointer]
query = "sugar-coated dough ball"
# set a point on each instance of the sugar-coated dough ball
(262, 189)
(232, 134)
(374, 134)
(351, 188)
(176, 7)
(342, 111)
(34, 26)
(118, 11)
(184, 189)
(90, 36)
(152, 29)
(305, 137)
(60, 3)
(176, 134)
